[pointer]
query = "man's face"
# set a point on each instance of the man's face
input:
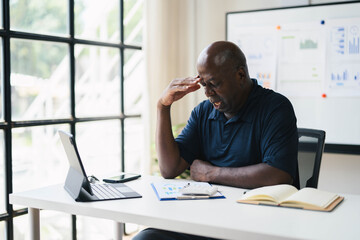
(222, 86)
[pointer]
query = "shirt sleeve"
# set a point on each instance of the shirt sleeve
(188, 140)
(279, 144)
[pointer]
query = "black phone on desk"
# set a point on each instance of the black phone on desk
(122, 177)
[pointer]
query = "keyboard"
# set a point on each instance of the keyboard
(106, 191)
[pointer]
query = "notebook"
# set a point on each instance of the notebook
(77, 183)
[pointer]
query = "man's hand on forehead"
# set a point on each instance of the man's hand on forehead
(178, 88)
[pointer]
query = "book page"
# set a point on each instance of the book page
(275, 193)
(311, 197)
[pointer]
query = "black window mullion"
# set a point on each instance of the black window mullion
(72, 65)
(122, 119)
(72, 91)
(122, 126)
(7, 118)
(121, 25)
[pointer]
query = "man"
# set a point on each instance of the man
(243, 135)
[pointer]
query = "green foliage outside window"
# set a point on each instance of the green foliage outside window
(39, 15)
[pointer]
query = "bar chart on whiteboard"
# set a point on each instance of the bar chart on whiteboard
(343, 69)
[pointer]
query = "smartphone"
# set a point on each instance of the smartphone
(122, 177)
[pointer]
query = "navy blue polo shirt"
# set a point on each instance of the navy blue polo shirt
(264, 130)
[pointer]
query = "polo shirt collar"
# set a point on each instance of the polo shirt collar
(216, 115)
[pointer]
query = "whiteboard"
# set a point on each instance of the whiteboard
(310, 54)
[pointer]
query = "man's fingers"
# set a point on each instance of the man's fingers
(184, 86)
(178, 88)
(189, 84)
(186, 81)
(194, 88)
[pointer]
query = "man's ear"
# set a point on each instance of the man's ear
(242, 72)
(241, 75)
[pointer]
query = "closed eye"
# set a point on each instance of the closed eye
(207, 84)
(214, 84)
(210, 83)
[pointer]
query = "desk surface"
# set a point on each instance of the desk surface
(219, 218)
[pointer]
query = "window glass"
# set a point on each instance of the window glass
(39, 16)
(38, 157)
(2, 230)
(134, 144)
(134, 81)
(97, 81)
(89, 228)
(133, 21)
(1, 18)
(1, 81)
(97, 20)
(2, 174)
(39, 80)
(53, 226)
(99, 146)
(21, 227)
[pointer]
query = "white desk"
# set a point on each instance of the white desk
(219, 218)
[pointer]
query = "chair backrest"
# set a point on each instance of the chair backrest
(310, 150)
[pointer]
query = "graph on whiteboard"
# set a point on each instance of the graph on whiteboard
(343, 68)
(300, 60)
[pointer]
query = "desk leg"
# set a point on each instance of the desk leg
(34, 223)
(119, 230)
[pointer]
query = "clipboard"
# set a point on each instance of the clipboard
(169, 190)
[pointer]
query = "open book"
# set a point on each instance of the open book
(285, 195)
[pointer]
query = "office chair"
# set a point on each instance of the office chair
(310, 150)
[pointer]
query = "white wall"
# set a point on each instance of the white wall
(182, 28)
(340, 173)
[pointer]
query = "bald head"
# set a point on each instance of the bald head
(223, 74)
(222, 54)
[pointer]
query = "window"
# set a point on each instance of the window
(73, 65)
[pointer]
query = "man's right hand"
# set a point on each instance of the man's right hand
(178, 88)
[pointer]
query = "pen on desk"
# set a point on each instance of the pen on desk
(191, 197)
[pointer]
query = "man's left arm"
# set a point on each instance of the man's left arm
(252, 176)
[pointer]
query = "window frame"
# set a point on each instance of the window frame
(7, 124)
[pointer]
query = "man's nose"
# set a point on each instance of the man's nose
(209, 91)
